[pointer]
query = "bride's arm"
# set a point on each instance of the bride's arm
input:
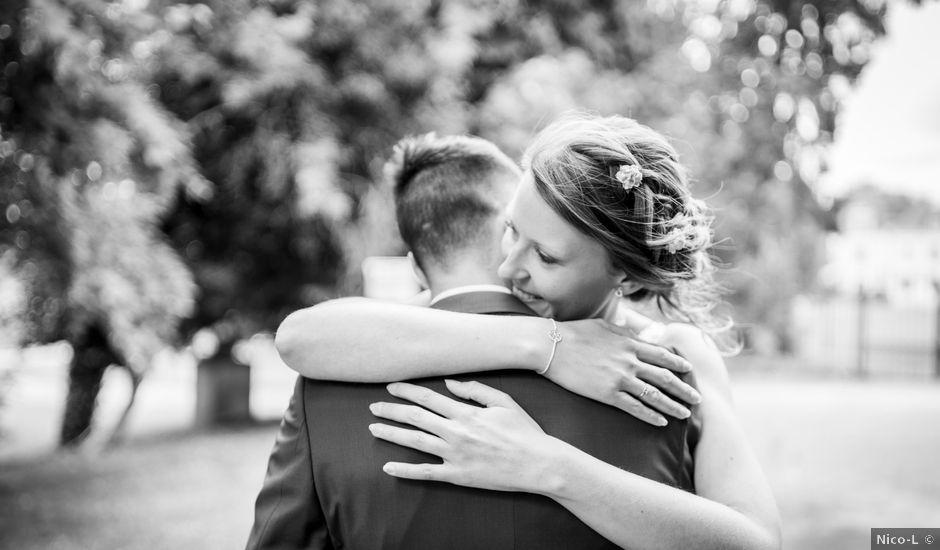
(500, 447)
(734, 507)
(363, 340)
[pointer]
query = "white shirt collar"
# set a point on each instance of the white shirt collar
(467, 289)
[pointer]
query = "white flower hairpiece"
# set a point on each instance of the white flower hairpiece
(629, 176)
(685, 234)
(676, 240)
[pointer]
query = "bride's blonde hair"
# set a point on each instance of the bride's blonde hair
(621, 183)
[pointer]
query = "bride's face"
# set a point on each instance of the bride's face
(555, 269)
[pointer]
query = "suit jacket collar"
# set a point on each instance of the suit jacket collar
(495, 303)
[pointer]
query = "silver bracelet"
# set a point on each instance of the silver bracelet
(555, 337)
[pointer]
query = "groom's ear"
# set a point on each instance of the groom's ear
(419, 273)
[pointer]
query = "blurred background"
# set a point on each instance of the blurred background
(175, 177)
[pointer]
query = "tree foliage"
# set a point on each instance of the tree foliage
(293, 106)
(783, 68)
(748, 91)
(90, 162)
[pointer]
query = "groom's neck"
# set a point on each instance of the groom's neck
(446, 281)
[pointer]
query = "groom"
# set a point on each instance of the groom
(325, 487)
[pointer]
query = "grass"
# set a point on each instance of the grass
(193, 490)
(842, 456)
(845, 456)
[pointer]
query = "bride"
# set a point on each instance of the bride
(603, 211)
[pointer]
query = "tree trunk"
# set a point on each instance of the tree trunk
(222, 390)
(92, 354)
(117, 433)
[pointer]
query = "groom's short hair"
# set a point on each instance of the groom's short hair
(447, 191)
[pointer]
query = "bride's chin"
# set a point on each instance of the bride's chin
(542, 308)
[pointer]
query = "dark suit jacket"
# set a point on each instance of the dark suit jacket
(325, 487)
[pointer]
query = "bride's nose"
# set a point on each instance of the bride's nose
(511, 268)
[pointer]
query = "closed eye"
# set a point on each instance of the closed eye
(545, 258)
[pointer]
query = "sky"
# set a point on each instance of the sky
(889, 132)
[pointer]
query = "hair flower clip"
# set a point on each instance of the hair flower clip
(676, 240)
(629, 176)
(684, 235)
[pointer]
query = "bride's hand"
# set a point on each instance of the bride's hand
(607, 363)
(497, 446)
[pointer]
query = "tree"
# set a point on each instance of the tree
(89, 164)
(292, 108)
(748, 91)
(783, 69)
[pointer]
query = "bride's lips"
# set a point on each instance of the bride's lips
(525, 296)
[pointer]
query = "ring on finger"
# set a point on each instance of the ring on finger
(649, 389)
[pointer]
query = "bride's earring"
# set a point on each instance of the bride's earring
(619, 292)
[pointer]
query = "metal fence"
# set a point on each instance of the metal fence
(868, 336)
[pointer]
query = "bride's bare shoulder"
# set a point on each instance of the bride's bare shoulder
(696, 346)
(638, 318)
(686, 335)
(653, 326)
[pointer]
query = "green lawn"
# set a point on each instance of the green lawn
(842, 456)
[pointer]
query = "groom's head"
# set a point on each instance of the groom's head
(450, 194)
